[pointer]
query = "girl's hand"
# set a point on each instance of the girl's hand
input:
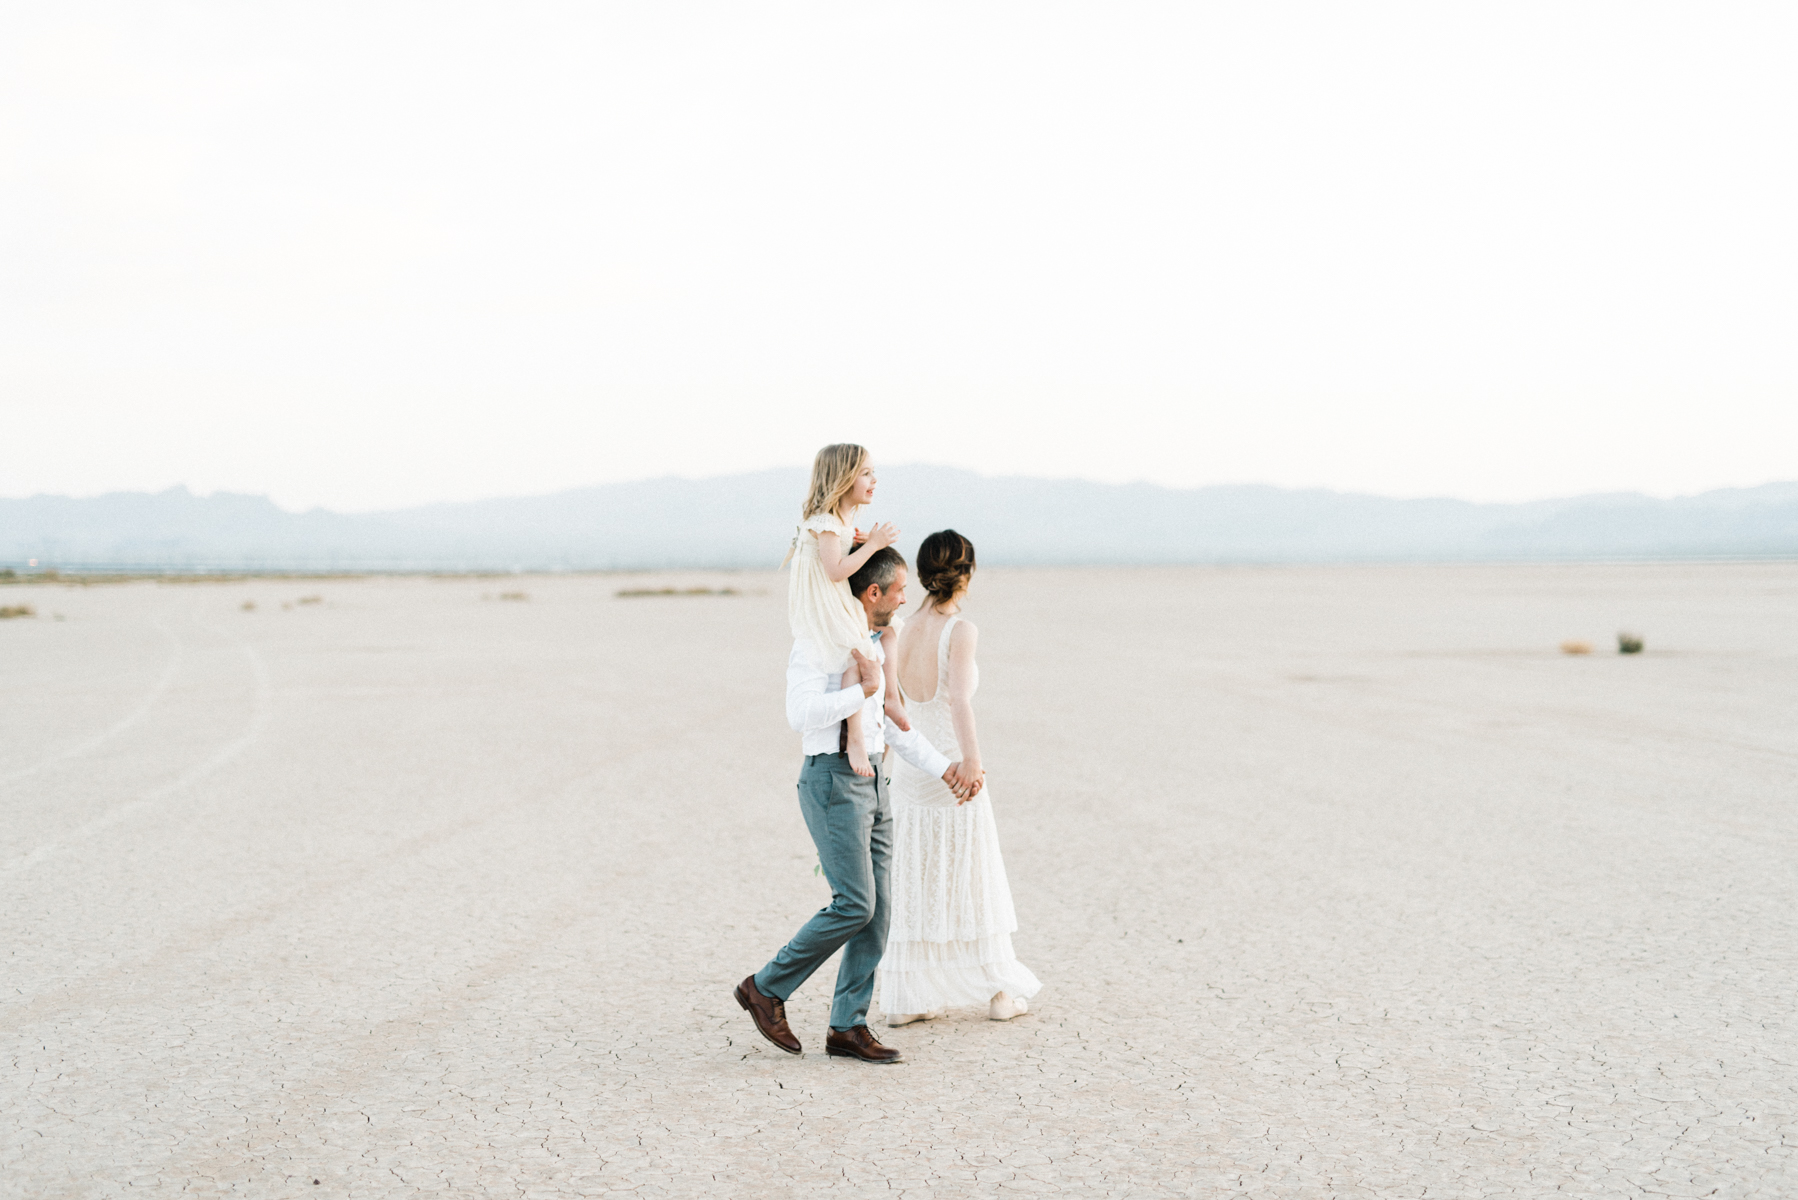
(859, 538)
(883, 535)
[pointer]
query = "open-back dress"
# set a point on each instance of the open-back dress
(949, 936)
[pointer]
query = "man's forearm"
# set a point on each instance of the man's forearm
(916, 749)
(814, 707)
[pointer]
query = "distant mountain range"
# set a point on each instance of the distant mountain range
(745, 521)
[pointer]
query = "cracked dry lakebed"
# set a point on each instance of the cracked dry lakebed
(1340, 881)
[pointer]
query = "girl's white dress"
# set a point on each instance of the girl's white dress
(822, 610)
(949, 936)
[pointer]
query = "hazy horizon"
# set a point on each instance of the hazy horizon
(746, 520)
(992, 476)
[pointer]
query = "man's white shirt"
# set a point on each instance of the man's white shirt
(817, 704)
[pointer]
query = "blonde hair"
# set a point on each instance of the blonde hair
(833, 475)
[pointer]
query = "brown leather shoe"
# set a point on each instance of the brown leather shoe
(770, 1016)
(858, 1042)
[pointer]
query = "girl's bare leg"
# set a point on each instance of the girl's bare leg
(855, 745)
(895, 703)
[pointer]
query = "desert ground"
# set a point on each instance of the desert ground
(1341, 882)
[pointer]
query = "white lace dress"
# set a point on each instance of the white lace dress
(820, 610)
(949, 938)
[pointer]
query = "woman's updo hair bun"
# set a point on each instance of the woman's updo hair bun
(945, 561)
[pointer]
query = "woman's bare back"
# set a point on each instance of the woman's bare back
(918, 654)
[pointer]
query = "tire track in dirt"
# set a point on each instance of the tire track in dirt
(259, 714)
(143, 709)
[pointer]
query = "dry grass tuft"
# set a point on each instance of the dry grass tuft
(630, 592)
(312, 599)
(1576, 647)
(514, 595)
(248, 606)
(17, 610)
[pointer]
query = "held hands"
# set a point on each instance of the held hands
(965, 780)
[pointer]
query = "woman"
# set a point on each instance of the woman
(949, 940)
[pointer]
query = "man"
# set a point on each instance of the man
(850, 823)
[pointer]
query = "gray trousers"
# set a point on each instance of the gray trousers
(851, 821)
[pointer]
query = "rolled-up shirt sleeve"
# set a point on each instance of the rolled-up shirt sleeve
(812, 702)
(915, 749)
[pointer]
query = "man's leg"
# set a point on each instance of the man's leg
(861, 953)
(838, 806)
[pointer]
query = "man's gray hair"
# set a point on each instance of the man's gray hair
(880, 569)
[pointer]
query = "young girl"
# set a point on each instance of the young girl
(820, 605)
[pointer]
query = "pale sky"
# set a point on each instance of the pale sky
(367, 255)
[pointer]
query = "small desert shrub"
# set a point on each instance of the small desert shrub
(630, 592)
(514, 595)
(17, 610)
(1629, 643)
(312, 599)
(1571, 647)
(248, 606)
